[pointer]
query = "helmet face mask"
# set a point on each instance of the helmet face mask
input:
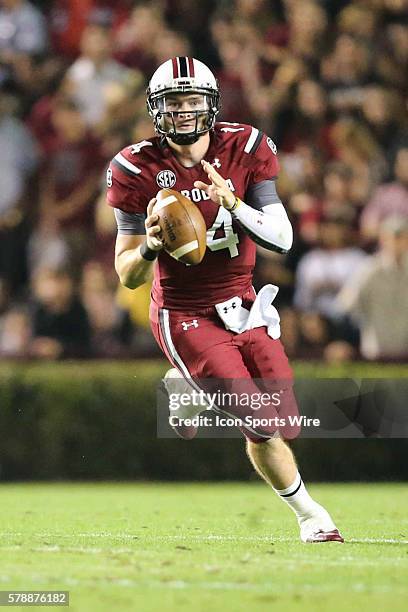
(168, 93)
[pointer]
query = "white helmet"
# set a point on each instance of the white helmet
(183, 75)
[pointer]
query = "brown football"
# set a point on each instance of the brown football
(183, 227)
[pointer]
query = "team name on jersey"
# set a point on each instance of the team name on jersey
(197, 195)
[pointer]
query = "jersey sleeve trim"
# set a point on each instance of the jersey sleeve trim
(126, 166)
(253, 141)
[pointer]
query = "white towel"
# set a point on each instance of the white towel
(238, 319)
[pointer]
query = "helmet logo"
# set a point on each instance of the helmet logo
(166, 179)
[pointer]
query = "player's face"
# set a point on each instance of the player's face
(184, 108)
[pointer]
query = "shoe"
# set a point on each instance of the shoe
(319, 528)
(324, 536)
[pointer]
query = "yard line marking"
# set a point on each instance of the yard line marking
(377, 541)
(195, 537)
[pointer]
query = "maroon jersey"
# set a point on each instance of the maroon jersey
(243, 156)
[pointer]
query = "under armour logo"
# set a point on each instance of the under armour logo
(227, 308)
(185, 325)
(216, 163)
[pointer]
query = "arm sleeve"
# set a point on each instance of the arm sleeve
(130, 223)
(269, 227)
(265, 219)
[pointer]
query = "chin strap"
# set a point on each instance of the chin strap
(269, 227)
(191, 137)
(185, 139)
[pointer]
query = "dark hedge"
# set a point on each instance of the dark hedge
(97, 420)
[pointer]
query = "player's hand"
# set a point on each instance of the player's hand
(218, 189)
(153, 230)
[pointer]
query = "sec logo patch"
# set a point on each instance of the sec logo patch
(166, 179)
(271, 145)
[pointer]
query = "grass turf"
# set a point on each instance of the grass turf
(203, 547)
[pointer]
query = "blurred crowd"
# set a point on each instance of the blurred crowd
(326, 79)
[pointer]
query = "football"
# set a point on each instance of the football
(183, 227)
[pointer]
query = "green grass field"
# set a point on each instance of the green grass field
(203, 547)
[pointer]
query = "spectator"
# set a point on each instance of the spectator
(47, 247)
(345, 71)
(310, 123)
(355, 146)
(302, 171)
(23, 38)
(231, 79)
(90, 76)
(69, 18)
(389, 199)
(19, 160)
(15, 333)
(324, 270)
(60, 325)
(336, 198)
(333, 201)
(69, 181)
(136, 304)
(314, 335)
(308, 30)
(23, 30)
(377, 295)
(384, 115)
(111, 331)
(4, 297)
(392, 53)
(359, 21)
(171, 44)
(189, 17)
(136, 39)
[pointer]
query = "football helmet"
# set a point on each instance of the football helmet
(183, 75)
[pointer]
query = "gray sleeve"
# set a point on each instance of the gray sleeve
(262, 194)
(130, 223)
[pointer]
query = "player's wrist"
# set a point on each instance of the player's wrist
(148, 253)
(237, 203)
(228, 201)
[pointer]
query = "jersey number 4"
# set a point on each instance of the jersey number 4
(229, 240)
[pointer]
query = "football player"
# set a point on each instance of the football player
(229, 171)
